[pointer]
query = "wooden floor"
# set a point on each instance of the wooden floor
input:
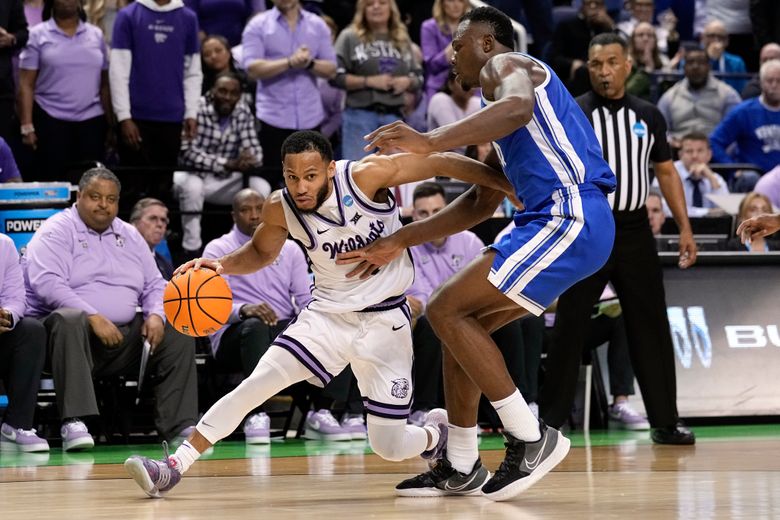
(723, 479)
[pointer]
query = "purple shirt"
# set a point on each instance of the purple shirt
(69, 69)
(435, 265)
(68, 264)
(291, 99)
(224, 17)
(286, 278)
(437, 67)
(159, 42)
(769, 185)
(8, 168)
(11, 279)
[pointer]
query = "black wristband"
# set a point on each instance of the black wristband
(310, 65)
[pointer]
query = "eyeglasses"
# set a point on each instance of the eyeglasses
(716, 36)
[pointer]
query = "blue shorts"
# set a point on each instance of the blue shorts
(550, 250)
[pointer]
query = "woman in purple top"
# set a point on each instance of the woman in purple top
(223, 17)
(63, 91)
(436, 41)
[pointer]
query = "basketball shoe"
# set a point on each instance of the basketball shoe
(442, 479)
(155, 477)
(526, 462)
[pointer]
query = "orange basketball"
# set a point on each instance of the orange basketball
(197, 303)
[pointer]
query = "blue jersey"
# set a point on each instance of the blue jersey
(557, 151)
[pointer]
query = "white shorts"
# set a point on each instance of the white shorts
(378, 345)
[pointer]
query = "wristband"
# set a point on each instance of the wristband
(27, 129)
(310, 65)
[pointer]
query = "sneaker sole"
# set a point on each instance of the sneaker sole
(512, 490)
(258, 440)
(436, 492)
(137, 470)
(630, 427)
(78, 444)
(316, 436)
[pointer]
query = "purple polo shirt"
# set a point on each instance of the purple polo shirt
(286, 278)
(435, 265)
(11, 279)
(291, 99)
(159, 42)
(433, 43)
(8, 168)
(69, 69)
(68, 264)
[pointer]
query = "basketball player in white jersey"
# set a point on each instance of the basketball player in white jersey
(332, 207)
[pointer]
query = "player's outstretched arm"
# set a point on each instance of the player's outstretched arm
(468, 210)
(757, 227)
(506, 79)
(376, 172)
(259, 252)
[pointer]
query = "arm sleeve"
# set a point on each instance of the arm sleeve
(120, 66)
(193, 76)
(421, 288)
(474, 247)
(723, 136)
(661, 151)
(252, 44)
(325, 50)
(435, 59)
(343, 49)
(12, 297)
(49, 261)
(29, 58)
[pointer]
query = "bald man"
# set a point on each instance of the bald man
(770, 51)
(714, 40)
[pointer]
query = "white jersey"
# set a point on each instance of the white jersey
(349, 220)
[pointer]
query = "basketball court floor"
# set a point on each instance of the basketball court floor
(732, 472)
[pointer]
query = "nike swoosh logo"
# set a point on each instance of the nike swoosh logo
(399, 328)
(319, 232)
(532, 464)
(447, 486)
(206, 424)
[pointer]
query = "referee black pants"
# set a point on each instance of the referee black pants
(635, 272)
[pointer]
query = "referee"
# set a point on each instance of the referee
(632, 133)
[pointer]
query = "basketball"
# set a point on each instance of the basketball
(197, 303)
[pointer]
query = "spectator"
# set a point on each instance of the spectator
(102, 13)
(714, 40)
(436, 42)
(155, 99)
(754, 126)
(264, 303)
(64, 91)
(698, 102)
(646, 59)
(655, 211)
(769, 185)
(568, 51)
(332, 99)
(376, 66)
(286, 49)
(22, 354)
(33, 12)
(13, 37)
(753, 205)
(698, 180)
(150, 218)
(734, 16)
(225, 18)
(8, 169)
(770, 51)
(224, 151)
(451, 104)
(643, 11)
(216, 58)
(86, 273)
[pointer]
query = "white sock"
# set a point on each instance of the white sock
(518, 418)
(435, 433)
(462, 448)
(184, 457)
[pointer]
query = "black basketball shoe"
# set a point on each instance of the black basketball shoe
(526, 462)
(443, 479)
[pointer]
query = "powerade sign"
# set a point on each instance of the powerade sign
(21, 224)
(725, 324)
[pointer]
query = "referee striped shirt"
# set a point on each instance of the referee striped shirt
(632, 132)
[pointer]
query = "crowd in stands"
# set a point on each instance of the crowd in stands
(195, 98)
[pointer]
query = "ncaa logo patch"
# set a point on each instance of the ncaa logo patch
(400, 388)
(639, 129)
(348, 200)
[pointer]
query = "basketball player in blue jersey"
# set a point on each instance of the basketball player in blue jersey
(549, 152)
(331, 207)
